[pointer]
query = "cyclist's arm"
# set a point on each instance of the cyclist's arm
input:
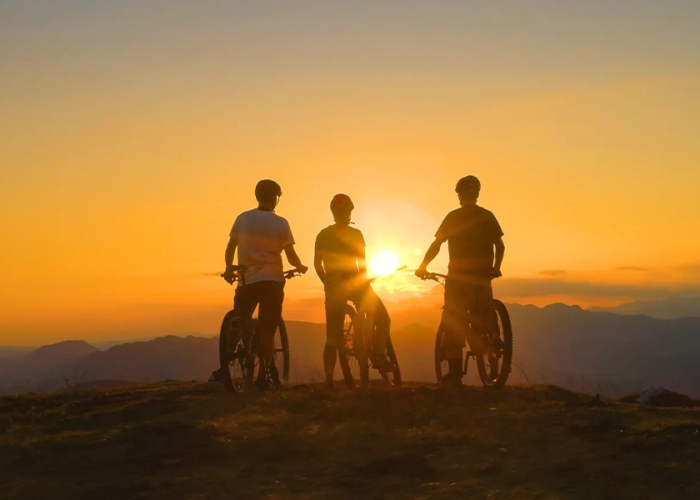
(294, 259)
(230, 251)
(500, 251)
(430, 255)
(318, 266)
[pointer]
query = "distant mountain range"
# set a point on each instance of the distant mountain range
(14, 351)
(679, 307)
(76, 363)
(583, 350)
(604, 352)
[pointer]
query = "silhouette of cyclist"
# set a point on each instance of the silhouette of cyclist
(260, 236)
(340, 263)
(472, 233)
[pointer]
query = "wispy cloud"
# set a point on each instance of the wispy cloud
(553, 273)
(538, 287)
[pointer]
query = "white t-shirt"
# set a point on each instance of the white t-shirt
(261, 237)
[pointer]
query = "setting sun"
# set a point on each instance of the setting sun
(383, 263)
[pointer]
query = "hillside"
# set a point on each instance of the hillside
(192, 441)
(47, 367)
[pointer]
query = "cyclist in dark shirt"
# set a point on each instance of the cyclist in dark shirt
(472, 233)
(340, 263)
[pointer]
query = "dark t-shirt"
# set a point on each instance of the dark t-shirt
(470, 233)
(339, 247)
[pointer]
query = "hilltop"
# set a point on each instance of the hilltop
(193, 441)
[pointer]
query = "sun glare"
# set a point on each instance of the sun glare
(383, 263)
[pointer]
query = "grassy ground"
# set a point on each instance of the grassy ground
(192, 441)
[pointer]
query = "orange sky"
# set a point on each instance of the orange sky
(133, 135)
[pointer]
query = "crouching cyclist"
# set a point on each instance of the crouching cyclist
(261, 236)
(340, 263)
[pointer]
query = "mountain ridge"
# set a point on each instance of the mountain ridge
(567, 345)
(677, 307)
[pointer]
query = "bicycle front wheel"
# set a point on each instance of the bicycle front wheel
(236, 364)
(442, 366)
(393, 377)
(280, 351)
(352, 355)
(494, 363)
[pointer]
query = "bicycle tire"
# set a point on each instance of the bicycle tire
(232, 359)
(354, 363)
(282, 352)
(506, 331)
(438, 355)
(393, 378)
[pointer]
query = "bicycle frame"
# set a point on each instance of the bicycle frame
(504, 345)
(364, 325)
(359, 344)
(367, 320)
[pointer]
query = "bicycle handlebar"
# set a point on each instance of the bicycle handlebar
(435, 276)
(378, 278)
(292, 273)
(237, 270)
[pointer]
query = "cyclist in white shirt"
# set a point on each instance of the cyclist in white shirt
(260, 236)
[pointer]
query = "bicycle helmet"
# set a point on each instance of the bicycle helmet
(267, 189)
(341, 203)
(468, 185)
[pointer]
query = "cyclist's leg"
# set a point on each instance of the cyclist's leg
(244, 304)
(270, 295)
(483, 298)
(480, 298)
(335, 318)
(455, 322)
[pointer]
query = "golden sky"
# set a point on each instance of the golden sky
(133, 134)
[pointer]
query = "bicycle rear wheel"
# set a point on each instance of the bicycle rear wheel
(352, 355)
(494, 363)
(235, 364)
(442, 366)
(393, 377)
(280, 352)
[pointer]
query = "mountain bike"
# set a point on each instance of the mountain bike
(239, 357)
(358, 341)
(494, 361)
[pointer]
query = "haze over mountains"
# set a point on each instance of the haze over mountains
(678, 307)
(583, 350)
